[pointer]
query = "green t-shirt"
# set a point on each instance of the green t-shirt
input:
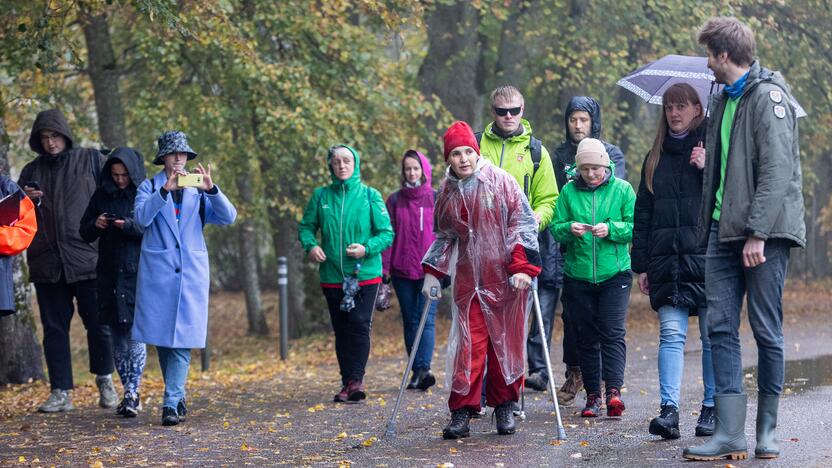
(725, 144)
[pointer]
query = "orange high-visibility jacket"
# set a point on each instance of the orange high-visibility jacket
(16, 238)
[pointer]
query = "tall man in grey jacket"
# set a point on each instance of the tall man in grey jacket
(752, 215)
(60, 181)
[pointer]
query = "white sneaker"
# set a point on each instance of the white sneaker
(58, 401)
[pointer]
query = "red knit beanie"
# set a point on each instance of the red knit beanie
(459, 134)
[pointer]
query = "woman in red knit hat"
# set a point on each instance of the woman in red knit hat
(486, 240)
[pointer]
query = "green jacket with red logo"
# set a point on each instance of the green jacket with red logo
(346, 212)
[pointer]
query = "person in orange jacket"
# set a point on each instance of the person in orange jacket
(14, 239)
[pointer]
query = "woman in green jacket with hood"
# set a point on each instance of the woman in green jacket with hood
(594, 219)
(355, 229)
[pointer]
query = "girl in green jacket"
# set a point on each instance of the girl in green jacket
(594, 219)
(355, 230)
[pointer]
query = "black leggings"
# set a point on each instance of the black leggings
(352, 330)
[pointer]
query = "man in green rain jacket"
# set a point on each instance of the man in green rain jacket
(355, 229)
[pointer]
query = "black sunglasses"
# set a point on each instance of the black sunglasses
(502, 111)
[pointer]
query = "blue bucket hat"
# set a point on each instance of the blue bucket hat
(173, 142)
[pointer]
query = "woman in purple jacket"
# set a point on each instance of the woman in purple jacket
(411, 213)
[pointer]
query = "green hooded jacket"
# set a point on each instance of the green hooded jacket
(513, 156)
(589, 258)
(346, 212)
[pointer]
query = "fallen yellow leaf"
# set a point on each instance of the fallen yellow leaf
(225, 424)
(344, 464)
(21, 459)
(554, 442)
(369, 442)
(98, 464)
(453, 450)
(341, 436)
(245, 447)
(584, 443)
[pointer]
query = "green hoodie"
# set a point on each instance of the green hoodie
(346, 212)
(513, 156)
(589, 258)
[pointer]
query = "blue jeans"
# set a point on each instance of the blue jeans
(673, 323)
(411, 300)
(175, 363)
(726, 282)
(534, 345)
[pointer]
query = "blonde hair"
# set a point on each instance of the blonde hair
(506, 93)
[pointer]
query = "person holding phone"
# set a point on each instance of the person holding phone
(14, 239)
(594, 219)
(109, 220)
(174, 276)
(60, 182)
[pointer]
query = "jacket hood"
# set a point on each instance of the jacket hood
(524, 124)
(132, 160)
(426, 169)
(588, 105)
(54, 120)
(356, 175)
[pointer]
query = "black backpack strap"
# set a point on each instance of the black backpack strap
(96, 171)
(536, 150)
(478, 136)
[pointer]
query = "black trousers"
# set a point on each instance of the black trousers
(352, 330)
(571, 352)
(600, 311)
(56, 309)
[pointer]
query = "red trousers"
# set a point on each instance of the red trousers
(496, 390)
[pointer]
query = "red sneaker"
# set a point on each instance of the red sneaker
(615, 406)
(593, 406)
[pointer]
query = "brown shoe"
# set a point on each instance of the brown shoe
(355, 391)
(569, 390)
(342, 396)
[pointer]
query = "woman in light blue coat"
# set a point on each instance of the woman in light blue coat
(174, 277)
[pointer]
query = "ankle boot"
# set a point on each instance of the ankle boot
(766, 423)
(573, 384)
(728, 440)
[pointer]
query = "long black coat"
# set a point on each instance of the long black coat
(664, 230)
(118, 249)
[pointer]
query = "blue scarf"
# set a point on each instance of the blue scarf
(735, 89)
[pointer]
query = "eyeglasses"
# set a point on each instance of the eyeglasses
(50, 137)
(502, 111)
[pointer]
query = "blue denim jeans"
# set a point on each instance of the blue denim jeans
(411, 301)
(726, 282)
(673, 330)
(534, 345)
(175, 363)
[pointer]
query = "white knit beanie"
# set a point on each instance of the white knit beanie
(592, 151)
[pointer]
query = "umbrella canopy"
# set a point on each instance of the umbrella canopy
(652, 80)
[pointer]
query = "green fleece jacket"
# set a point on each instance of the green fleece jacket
(589, 258)
(513, 156)
(346, 212)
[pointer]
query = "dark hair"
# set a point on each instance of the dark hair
(413, 154)
(729, 35)
(679, 93)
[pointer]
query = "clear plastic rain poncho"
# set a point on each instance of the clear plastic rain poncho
(478, 222)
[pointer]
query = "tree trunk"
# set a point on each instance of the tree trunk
(20, 352)
(248, 248)
(450, 68)
(103, 72)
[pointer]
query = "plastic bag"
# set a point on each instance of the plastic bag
(383, 297)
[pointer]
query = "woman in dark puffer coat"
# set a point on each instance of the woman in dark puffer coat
(665, 255)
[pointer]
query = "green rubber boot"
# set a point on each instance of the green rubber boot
(728, 440)
(766, 423)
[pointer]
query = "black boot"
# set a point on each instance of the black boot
(766, 423)
(666, 424)
(505, 418)
(426, 380)
(458, 427)
(414, 380)
(705, 423)
(728, 440)
(182, 410)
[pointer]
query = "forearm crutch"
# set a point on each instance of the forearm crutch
(391, 423)
(545, 343)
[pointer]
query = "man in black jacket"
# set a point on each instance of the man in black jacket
(582, 119)
(60, 181)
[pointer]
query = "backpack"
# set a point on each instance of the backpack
(535, 149)
(201, 200)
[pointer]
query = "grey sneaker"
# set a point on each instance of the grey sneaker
(107, 396)
(59, 400)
